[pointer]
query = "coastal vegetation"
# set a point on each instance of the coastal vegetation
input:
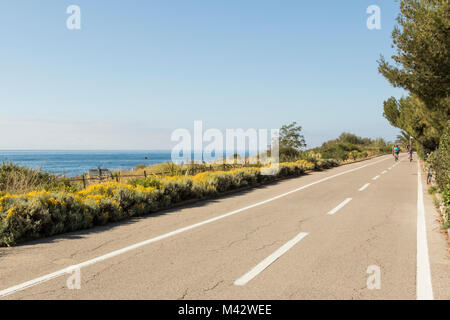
(351, 147)
(439, 161)
(46, 213)
(36, 204)
(421, 66)
(16, 179)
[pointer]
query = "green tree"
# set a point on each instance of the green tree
(422, 67)
(410, 115)
(291, 136)
(403, 138)
(422, 59)
(352, 138)
(291, 141)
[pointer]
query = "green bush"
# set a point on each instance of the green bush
(46, 213)
(326, 164)
(440, 161)
(350, 146)
(432, 190)
(17, 179)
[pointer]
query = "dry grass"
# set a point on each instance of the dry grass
(172, 169)
(15, 179)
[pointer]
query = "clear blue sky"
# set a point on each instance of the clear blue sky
(139, 69)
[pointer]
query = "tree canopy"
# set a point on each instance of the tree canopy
(291, 137)
(291, 141)
(422, 67)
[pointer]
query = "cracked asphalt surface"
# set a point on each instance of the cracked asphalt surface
(378, 227)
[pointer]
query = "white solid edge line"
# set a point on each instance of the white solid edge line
(384, 172)
(375, 178)
(61, 272)
(424, 289)
(340, 206)
(364, 187)
(269, 260)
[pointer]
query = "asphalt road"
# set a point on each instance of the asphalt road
(352, 232)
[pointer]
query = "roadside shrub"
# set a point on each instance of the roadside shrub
(153, 181)
(350, 146)
(290, 169)
(440, 160)
(246, 176)
(310, 157)
(177, 188)
(432, 190)
(45, 213)
(446, 197)
(17, 179)
(326, 164)
(307, 164)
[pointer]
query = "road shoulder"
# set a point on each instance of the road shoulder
(439, 251)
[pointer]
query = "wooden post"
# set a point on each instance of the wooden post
(145, 174)
(84, 181)
(118, 177)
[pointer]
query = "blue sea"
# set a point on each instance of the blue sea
(72, 163)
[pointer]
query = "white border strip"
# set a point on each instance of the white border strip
(424, 289)
(112, 254)
(269, 260)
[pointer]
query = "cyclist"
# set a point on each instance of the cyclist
(395, 152)
(410, 151)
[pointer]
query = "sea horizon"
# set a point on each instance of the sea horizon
(72, 163)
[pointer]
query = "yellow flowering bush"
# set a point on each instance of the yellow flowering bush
(46, 213)
(326, 164)
(307, 165)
